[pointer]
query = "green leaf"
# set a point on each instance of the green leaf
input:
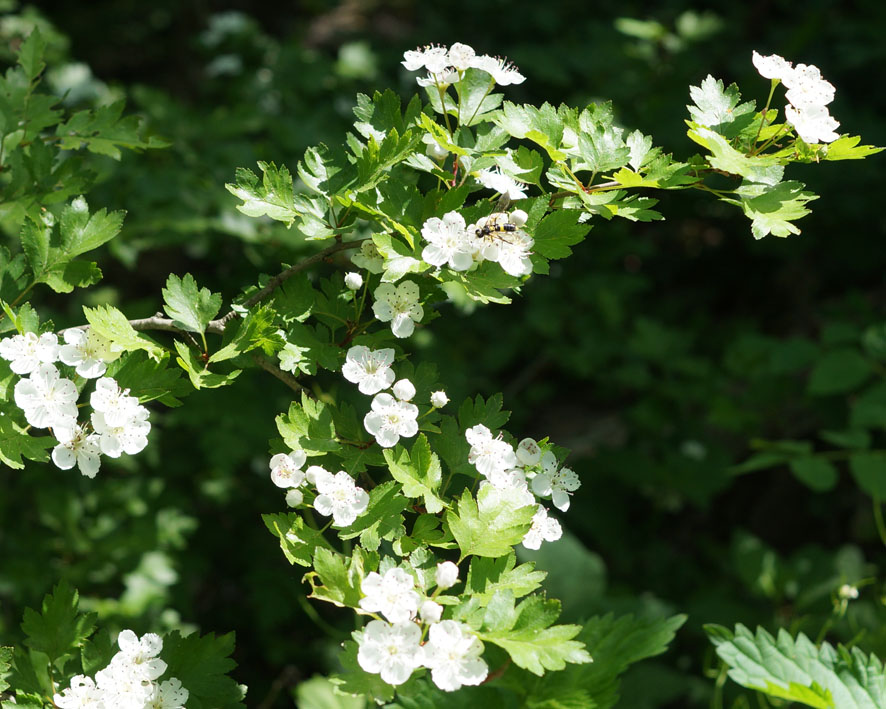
(273, 197)
(542, 126)
(113, 325)
(526, 633)
(149, 380)
(857, 438)
(382, 514)
(104, 131)
(763, 169)
(30, 54)
(488, 576)
(847, 148)
(474, 98)
(797, 670)
(58, 629)
(772, 209)
(297, 540)
(491, 525)
(202, 663)
(815, 472)
(308, 426)
(256, 330)
(5, 663)
(869, 471)
(600, 143)
(82, 232)
(557, 232)
(839, 372)
(198, 372)
(336, 578)
(16, 443)
(322, 693)
(190, 308)
(615, 644)
(715, 106)
(418, 471)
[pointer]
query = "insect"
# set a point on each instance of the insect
(495, 225)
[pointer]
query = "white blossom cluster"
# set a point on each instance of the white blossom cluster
(393, 647)
(392, 416)
(337, 495)
(118, 423)
(130, 681)
(808, 95)
(459, 246)
(447, 66)
(525, 473)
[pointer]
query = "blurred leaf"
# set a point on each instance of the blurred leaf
(815, 472)
(838, 372)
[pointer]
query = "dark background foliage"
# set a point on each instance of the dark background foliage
(658, 353)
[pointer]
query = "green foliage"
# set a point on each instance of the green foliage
(202, 663)
(489, 525)
(58, 627)
(190, 309)
(796, 669)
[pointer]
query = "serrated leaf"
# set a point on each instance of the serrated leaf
(557, 232)
(149, 380)
(716, 106)
(58, 629)
(772, 209)
(355, 681)
(336, 578)
(847, 148)
(5, 663)
(759, 168)
(418, 471)
(795, 669)
(198, 372)
(113, 325)
(382, 513)
(30, 54)
(308, 426)
(272, 197)
(16, 443)
(490, 525)
(542, 126)
(255, 331)
(297, 540)
(526, 633)
(202, 664)
(487, 576)
(191, 308)
(104, 131)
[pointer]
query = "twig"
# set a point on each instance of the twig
(268, 365)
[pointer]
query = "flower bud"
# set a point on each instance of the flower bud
(430, 612)
(353, 280)
(404, 390)
(518, 217)
(439, 399)
(294, 497)
(447, 574)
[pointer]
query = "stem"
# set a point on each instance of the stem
(441, 93)
(878, 519)
(268, 365)
(773, 84)
(480, 103)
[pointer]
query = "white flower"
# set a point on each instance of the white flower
(286, 469)
(76, 447)
(89, 352)
(452, 653)
(807, 88)
(448, 242)
(513, 253)
(338, 495)
(813, 125)
(493, 500)
(441, 78)
(353, 280)
(528, 452)
(81, 694)
(129, 436)
(141, 653)
(489, 454)
(390, 419)
(556, 483)
(430, 611)
(404, 390)
(513, 478)
(495, 179)
(169, 695)
(125, 686)
(393, 595)
(369, 369)
(47, 398)
(27, 352)
(446, 575)
(399, 306)
(847, 592)
(503, 72)
(390, 650)
(461, 56)
(433, 58)
(116, 405)
(368, 257)
(439, 399)
(543, 529)
(771, 66)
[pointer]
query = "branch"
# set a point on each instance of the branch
(268, 365)
(277, 280)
